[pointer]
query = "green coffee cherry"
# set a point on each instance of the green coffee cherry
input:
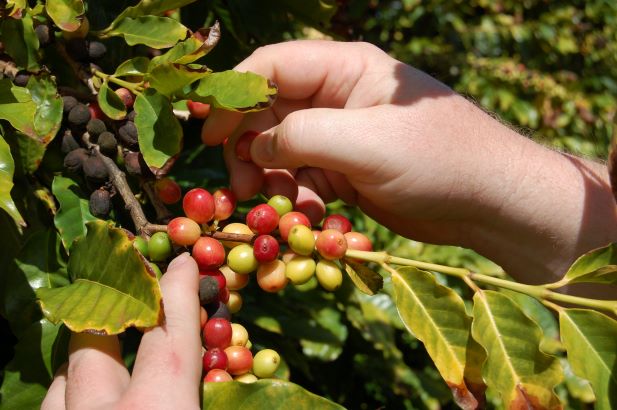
(329, 275)
(301, 240)
(281, 204)
(300, 269)
(159, 247)
(241, 259)
(141, 245)
(265, 363)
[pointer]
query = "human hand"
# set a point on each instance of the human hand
(167, 371)
(353, 123)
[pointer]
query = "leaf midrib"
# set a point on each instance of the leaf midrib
(113, 289)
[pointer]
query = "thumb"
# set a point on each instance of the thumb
(333, 139)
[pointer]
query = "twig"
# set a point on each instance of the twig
(8, 68)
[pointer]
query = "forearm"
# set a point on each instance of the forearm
(550, 209)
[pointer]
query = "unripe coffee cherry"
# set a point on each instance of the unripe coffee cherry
(301, 240)
(262, 219)
(214, 359)
(217, 376)
(281, 204)
(246, 378)
(224, 204)
(329, 275)
(239, 335)
(126, 96)
(265, 363)
(331, 244)
(198, 110)
(338, 222)
(300, 269)
(271, 276)
(265, 248)
(240, 360)
(168, 190)
(159, 247)
(100, 203)
(243, 145)
(141, 245)
(238, 228)
(235, 281)
(217, 333)
(241, 259)
(198, 205)
(208, 253)
(291, 219)
(183, 231)
(234, 301)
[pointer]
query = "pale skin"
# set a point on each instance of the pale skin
(353, 123)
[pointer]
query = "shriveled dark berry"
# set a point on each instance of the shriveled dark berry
(100, 203)
(42, 32)
(136, 165)
(77, 48)
(96, 50)
(108, 144)
(218, 310)
(79, 115)
(73, 161)
(68, 102)
(68, 142)
(95, 127)
(21, 79)
(94, 169)
(208, 290)
(131, 116)
(128, 134)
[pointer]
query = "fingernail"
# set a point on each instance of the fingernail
(179, 261)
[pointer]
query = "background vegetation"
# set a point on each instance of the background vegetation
(547, 67)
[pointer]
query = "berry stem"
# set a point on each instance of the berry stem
(135, 88)
(540, 292)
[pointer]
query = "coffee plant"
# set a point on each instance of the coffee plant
(103, 181)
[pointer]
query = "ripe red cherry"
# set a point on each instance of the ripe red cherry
(331, 244)
(217, 376)
(358, 241)
(224, 204)
(289, 220)
(208, 253)
(265, 248)
(338, 222)
(96, 112)
(224, 295)
(243, 145)
(239, 360)
(217, 333)
(214, 359)
(183, 231)
(218, 276)
(198, 110)
(168, 190)
(262, 219)
(198, 205)
(126, 96)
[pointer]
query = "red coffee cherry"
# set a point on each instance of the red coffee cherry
(265, 248)
(217, 333)
(126, 96)
(183, 231)
(243, 145)
(262, 219)
(239, 360)
(224, 204)
(214, 359)
(331, 244)
(358, 241)
(208, 253)
(338, 222)
(198, 205)
(289, 220)
(217, 376)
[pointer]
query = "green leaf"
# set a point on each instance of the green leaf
(436, 315)
(30, 151)
(18, 107)
(113, 286)
(266, 393)
(366, 280)
(20, 41)
(48, 114)
(152, 31)
(160, 132)
(7, 168)
(577, 387)
(29, 374)
(65, 13)
(16, 6)
(74, 212)
(169, 78)
(134, 66)
(313, 12)
(111, 103)
(523, 375)
(191, 49)
(145, 7)
(590, 339)
(596, 266)
(235, 91)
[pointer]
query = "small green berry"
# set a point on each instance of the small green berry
(265, 363)
(300, 269)
(141, 245)
(241, 259)
(281, 204)
(301, 240)
(159, 247)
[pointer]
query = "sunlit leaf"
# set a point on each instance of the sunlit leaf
(147, 7)
(196, 46)
(65, 13)
(266, 393)
(523, 375)
(20, 41)
(152, 31)
(366, 280)
(597, 266)
(169, 78)
(113, 287)
(111, 104)
(74, 212)
(7, 168)
(436, 315)
(48, 114)
(590, 339)
(134, 66)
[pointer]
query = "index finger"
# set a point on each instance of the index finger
(317, 73)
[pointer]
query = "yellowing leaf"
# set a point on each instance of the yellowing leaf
(523, 375)
(152, 31)
(597, 266)
(113, 286)
(436, 315)
(365, 279)
(65, 13)
(7, 167)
